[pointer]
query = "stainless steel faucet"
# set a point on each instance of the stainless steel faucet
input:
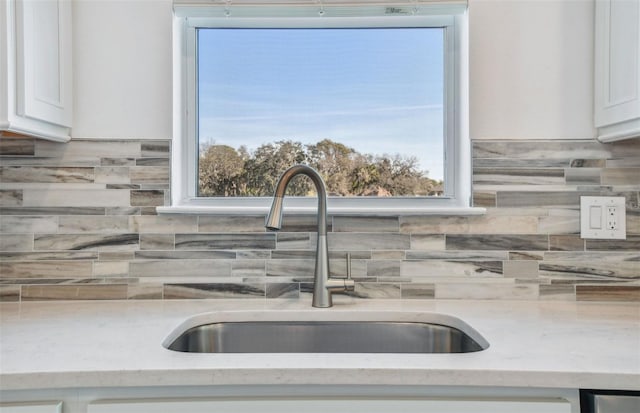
(324, 285)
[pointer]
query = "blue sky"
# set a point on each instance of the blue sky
(378, 91)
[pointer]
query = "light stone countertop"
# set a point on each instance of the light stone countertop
(119, 344)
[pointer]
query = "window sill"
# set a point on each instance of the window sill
(304, 210)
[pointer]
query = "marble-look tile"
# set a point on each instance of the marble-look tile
(225, 241)
(365, 224)
(290, 268)
(28, 224)
(295, 240)
(84, 151)
(248, 268)
(233, 224)
(16, 146)
(496, 224)
(518, 176)
(9, 293)
(179, 267)
(520, 269)
(433, 225)
(30, 174)
(583, 176)
(550, 149)
(559, 221)
(591, 269)
(497, 242)
(122, 211)
(111, 269)
(566, 243)
(487, 291)
(147, 198)
(283, 290)
(549, 199)
(16, 242)
(558, 292)
(155, 149)
(152, 162)
(185, 255)
(608, 293)
(149, 174)
(89, 242)
(494, 163)
(48, 256)
(484, 199)
(105, 161)
(112, 175)
(621, 176)
(253, 255)
(418, 291)
(383, 268)
(526, 255)
(385, 255)
(157, 241)
(116, 255)
(45, 269)
(439, 268)
(74, 292)
(11, 197)
(144, 291)
(303, 223)
(364, 241)
(632, 243)
(602, 256)
(52, 211)
(588, 163)
(93, 224)
(75, 198)
(223, 290)
(164, 224)
(427, 242)
(468, 255)
(376, 290)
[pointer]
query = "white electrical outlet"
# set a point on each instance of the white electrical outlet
(603, 217)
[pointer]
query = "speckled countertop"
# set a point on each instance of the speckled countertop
(119, 344)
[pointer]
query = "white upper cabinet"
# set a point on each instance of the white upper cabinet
(35, 68)
(617, 69)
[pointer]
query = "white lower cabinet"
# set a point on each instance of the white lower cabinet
(341, 405)
(41, 407)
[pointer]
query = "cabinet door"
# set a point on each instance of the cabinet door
(334, 406)
(617, 68)
(45, 407)
(43, 52)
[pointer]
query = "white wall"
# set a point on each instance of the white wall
(531, 65)
(531, 68)
(122, 68)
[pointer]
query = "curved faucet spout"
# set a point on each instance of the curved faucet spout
(323, 284)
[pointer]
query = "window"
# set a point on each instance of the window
(372, 96)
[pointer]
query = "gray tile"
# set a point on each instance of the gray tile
(223, 290)
(185, 255)
(144, 291)
(164, 224)
(46, 269)
(608, 293)
(621, 176)
(32, 174)
(440, 268)
(152, 162)
(497, 242)
(550, 149)
(74, 292)
(9, 293)
(117, 161)
(147, 198)
(90, 242)
(231, 223)
(365, 224)
(434, 225)
(376, 290)
(225, 241)
(248, 268)
(383, 268)
(93, 224)
(296, 240)
(149, 174)
(518, 176)
(52, 211)
(558, 292)
(484, 199)
(11, 197)
(76, 198)
(16, 242)
(16, 146)
(156, 149)
(157, 241)
(566, 243)
(632, 243)
(180, 268)
(582, 176)
(28, 224)
(595, 269)
(48, 256)
(487, 291)
(520, 269)
(283, 290)
(115, 255)
(418, 291)
(113, 176)
(290, 268)
(364, 241)
(464, 255)
(427, 242)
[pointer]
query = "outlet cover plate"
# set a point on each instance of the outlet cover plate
(596, 217)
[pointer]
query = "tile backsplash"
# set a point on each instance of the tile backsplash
(78, 221)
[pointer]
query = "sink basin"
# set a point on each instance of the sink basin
(328, 336)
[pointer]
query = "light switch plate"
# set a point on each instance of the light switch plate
(603, 217)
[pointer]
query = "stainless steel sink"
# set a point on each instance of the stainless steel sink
(329, 336)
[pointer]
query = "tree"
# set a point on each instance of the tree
(334, 161)
(220, 171)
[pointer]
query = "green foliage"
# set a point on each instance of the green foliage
(225, 171)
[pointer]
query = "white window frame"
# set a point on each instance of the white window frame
(457, 198)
